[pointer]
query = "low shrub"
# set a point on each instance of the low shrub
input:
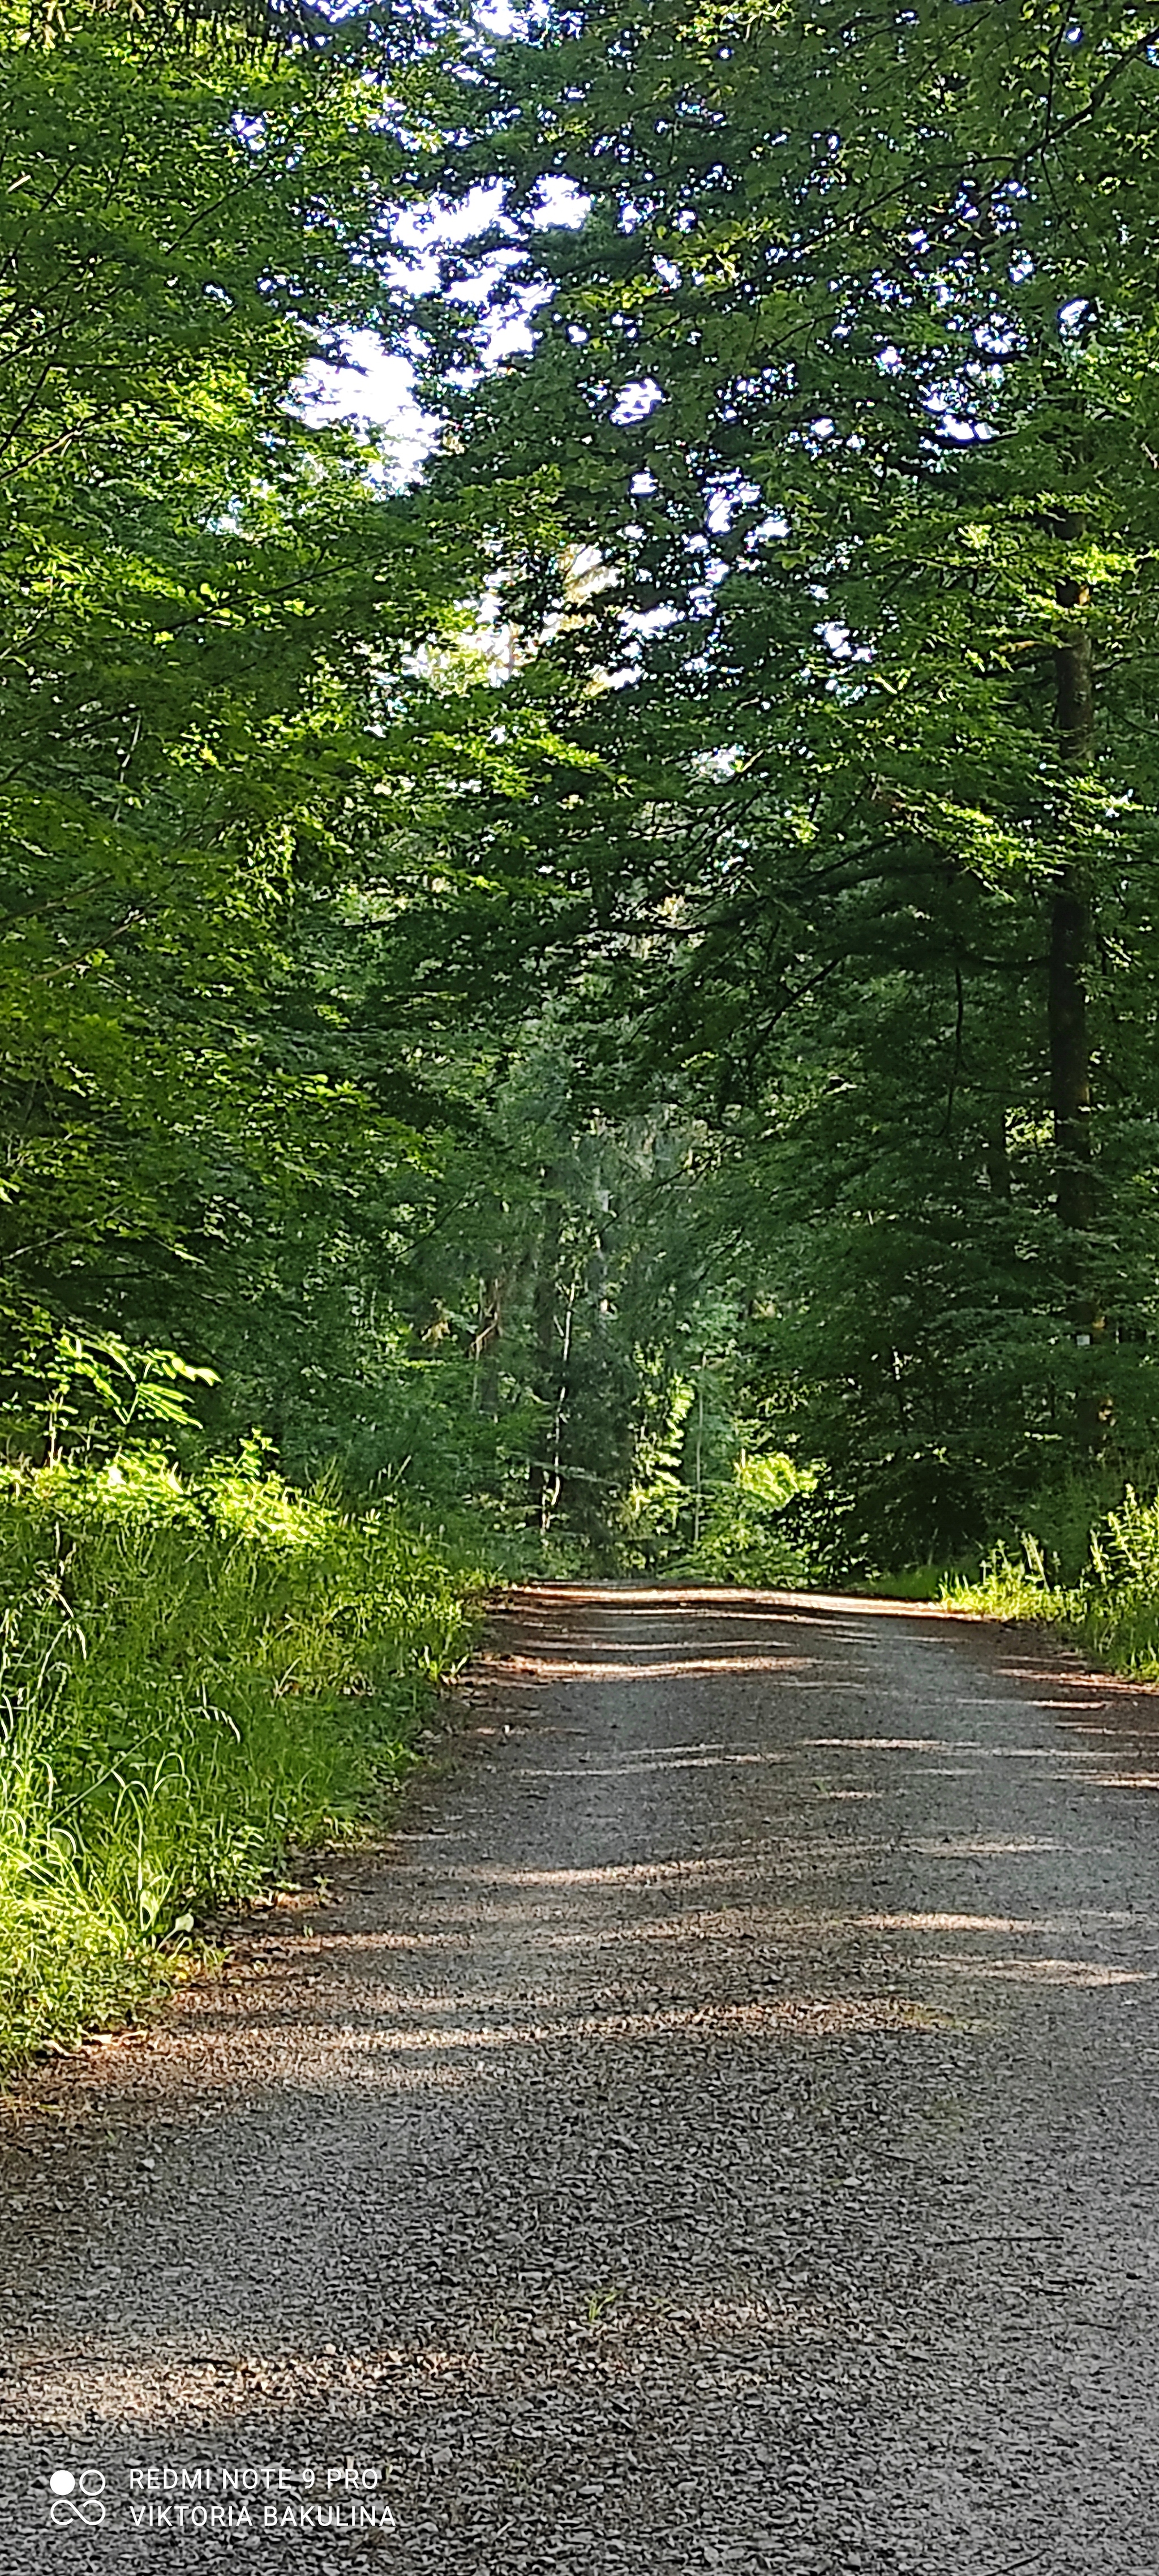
(743, 1539)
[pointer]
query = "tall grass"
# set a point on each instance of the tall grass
(195, 1675)
(1112, 1606)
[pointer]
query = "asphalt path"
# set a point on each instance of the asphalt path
(720, 2130)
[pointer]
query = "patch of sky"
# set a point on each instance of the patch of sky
(725, 499)
(636, 401)
(374, 385)
(995, 343)
(559, 202)
(840, 643)
(958, 432)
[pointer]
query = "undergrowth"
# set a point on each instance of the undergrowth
(1113, 1604)
(742, 1540)
(196, 1674)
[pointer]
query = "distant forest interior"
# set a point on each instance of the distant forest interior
(581, 978)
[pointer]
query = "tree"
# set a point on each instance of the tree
(847, 374)
(206, 608)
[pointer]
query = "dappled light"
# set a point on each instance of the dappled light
(675, 2042)
(579, 1407)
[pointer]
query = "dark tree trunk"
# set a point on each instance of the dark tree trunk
(1070, 1068)
(998, 1157)
(485, 1346)
(542, 1474)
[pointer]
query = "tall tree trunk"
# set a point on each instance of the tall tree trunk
(485, 1346)
(545, 1339)
(998, 1157)
(1070, 1068)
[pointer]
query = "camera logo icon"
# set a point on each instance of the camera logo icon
(77, 2496)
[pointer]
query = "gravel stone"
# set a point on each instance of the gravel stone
(719, 2131)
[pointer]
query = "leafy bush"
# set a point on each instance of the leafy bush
(742, 1540)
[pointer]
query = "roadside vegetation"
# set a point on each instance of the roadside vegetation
(1110, 1605)
(198, 1675)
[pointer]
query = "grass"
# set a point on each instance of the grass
(196, 1675)
(1113, 1606)
(915, 1583)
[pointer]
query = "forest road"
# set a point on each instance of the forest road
(722, 2131)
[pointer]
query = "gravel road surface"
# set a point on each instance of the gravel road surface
(721, 2131)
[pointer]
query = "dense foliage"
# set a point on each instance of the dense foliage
(549, 986)
(599, 998)
(846, 382)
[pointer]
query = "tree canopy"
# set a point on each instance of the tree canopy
(632, 950)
